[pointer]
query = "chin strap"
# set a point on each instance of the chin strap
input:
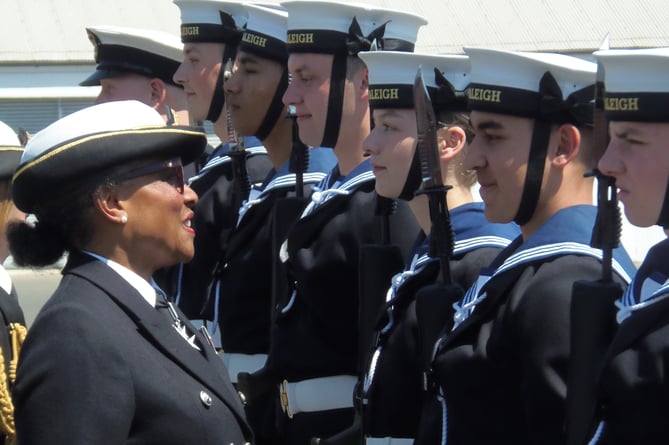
(275, 110)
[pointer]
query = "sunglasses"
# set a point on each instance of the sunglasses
(173, 169)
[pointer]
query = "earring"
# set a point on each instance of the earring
(124, 219)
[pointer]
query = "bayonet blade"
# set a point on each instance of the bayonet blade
(427, 144)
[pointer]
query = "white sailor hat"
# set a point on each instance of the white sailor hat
(330, 27)
(265, 33)
(119, 51)
(636, 84)
(392, 75)
(92, 140)
(211, 21)
(10, 151)
(547, 86)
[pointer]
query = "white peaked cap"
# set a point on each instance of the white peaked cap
(155, 42)
(119, 51)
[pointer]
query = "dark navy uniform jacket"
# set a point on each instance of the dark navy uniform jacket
(315, 332)
(215, 217)
(501, 365)
(393, 383)
(241, 293)
(101, 366)
(11, 313)
(633, 385)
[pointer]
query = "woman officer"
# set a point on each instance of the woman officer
(107, 361)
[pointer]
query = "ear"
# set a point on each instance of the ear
(567, 146)
(108, 205)
(451, 142)
(364, 83)
(158, 94)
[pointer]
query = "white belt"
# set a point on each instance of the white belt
(321, 394)
(237, 363)
(387, 441)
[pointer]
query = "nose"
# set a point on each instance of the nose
(231, 84)
(371, 144)
(190, 197)
(179, 75)
(291, 96)
(609, 164)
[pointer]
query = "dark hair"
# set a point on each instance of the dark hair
(63, 224)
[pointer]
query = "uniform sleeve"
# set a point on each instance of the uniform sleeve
(72, 384)
(541, 325)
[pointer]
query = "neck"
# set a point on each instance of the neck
(278, 142)
(349, 149)
(569, 191)
(350, 153)
(457, 196)
(421, 209)
(221, 128)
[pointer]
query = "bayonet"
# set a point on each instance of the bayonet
(606, 232)
(441, 242)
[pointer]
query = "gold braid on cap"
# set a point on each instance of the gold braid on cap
(17, 334)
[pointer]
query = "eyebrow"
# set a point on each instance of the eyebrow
(627, 132)
(488, 125)
(387, 112)
(190, 49)
(247, 59)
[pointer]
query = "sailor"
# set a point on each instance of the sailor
(240, 298)
(500, 365)
(211, 32)
(139, 64)
(313, 349)
(631, 384)
(391, 389)
(13, 329)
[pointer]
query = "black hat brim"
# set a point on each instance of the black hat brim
(42, 178)
(95, 78)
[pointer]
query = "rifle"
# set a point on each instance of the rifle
(237, 152)
(592, 304)
(433, 303)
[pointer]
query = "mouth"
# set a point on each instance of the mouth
(377, 168)
(188, 225)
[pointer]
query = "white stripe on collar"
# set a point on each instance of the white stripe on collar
(220, 160)
(320, 196)
(626, 304)
(285, 181)
(476, 294)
